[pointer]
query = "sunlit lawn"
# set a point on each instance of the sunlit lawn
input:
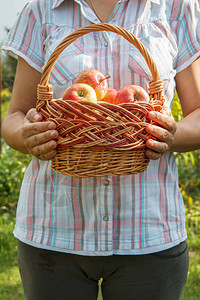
(192, 288)
(10, 283)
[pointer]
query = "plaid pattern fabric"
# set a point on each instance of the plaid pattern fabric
(134, 214)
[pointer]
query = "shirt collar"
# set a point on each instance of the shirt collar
(58, 2)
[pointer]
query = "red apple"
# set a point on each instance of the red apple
(80, 91)
(131, 93)
(96, 80)
(110, 96)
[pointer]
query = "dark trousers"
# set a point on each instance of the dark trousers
(50, 275)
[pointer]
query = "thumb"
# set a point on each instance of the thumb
(166, 111)
(33, 116)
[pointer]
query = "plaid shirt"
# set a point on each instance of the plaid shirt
(133, 214)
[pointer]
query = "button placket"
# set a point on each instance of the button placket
(107, 210)
(106, 182)
(106, 213)
(106, 39)
(106, 43)
(106, 218)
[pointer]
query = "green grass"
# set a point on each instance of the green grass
(10, 282)
(192, 288)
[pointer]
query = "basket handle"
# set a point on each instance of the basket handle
(155, 86)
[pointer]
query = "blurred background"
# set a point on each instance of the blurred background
(8, 13)
(13, 165)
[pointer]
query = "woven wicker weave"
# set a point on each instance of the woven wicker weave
(99, 139)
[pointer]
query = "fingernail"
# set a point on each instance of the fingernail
(52, 144)
(152, 114)
(36, 117)
(150, 127)
(53, 134)
(52, 126)
(152, 142)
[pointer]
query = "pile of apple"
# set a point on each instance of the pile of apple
(91, 85)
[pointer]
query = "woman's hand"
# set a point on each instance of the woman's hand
(39, 137)
(164, 133)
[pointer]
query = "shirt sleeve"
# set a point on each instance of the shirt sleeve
(188, 35)
(25, 39)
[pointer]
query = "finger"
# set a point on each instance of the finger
(47, 156)
(160, 133)
(45, 150)
(33, 116)
(152, 154)
(41, 138)
(163, 120)
(32, 129)
(159, 147)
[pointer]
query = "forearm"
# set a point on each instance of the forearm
(187, 135)
(12, 131)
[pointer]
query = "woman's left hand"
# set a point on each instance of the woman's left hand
(164, 133)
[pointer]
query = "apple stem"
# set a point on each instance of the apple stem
(104, 79)
(81, 93)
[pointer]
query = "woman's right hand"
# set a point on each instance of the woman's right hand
(39, 137)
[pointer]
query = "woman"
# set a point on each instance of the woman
(128, 230)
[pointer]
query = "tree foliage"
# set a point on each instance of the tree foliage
(12, 167)
(8, 69)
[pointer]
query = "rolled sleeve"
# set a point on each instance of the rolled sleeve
(188, 36)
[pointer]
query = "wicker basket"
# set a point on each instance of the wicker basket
(99, 139)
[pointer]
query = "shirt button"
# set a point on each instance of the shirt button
(106, 44)
(106, 182)
(105, 218)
